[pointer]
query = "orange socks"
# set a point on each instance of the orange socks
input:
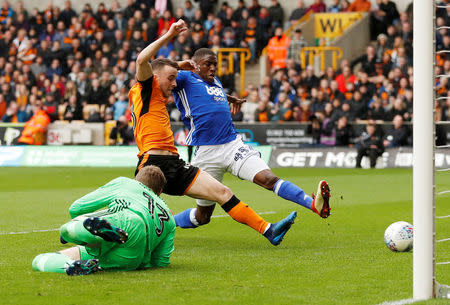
(242, 213)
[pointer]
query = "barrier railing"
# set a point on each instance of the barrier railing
(320, 52)
(228, 53)
(263, 60)
(273, 133)
(291, 28)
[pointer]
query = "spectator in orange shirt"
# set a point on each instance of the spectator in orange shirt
(3, 106)
(360, 6)
(11, 114)
(250, 34)
(278, 49)
(344, 78)
(263, 113)
(21, 95)
(35, 128)
(28, 53)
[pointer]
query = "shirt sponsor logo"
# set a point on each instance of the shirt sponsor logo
(218, 94)
(346, 158)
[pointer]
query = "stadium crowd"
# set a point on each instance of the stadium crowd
(80, 65)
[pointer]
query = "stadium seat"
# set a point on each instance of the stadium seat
(90, 108)
(61, 111)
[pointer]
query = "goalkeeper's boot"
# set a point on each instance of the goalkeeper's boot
(83, 267)
(277, 230)
(321, 201)
(101, 227)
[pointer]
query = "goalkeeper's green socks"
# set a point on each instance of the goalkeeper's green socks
(51, 262)
(75, 232)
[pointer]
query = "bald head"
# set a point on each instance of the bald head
(201, 53)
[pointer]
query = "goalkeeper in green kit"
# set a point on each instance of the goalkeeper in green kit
(136, 230)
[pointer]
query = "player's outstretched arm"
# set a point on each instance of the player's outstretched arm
(235, 103)
(95, 200)
(143, 68)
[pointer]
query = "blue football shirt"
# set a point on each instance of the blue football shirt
(204, 110)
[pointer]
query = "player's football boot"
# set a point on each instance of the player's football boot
(321, 201)
(62, 240)
(101, 227)
(83, 267)
(277, 230)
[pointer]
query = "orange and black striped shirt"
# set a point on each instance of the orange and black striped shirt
(151, 122)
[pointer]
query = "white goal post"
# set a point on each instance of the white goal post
(423, 151)
(425, 285)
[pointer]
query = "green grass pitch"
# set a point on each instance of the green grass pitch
(341, 260)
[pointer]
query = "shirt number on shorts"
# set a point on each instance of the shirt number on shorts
(163, 216)
(240, 155)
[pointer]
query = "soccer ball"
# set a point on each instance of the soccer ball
(398, 237)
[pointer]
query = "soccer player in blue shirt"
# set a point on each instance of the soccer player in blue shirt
(205, 111)
(154, 138)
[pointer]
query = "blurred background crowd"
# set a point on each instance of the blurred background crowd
(80, 65)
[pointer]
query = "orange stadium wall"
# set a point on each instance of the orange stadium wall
(288, 5)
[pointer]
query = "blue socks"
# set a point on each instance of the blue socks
(282, 188)
(290, 191)
(186, 219)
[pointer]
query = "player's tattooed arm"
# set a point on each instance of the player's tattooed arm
(143, 68)
(235, 103)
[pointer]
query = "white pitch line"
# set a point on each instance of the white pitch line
(27, 232)
(443, 263)
(441, 240)
(445, 216)
(443, 170)
(399, 302)
(51, 230)
(443, 192)
(259, 213)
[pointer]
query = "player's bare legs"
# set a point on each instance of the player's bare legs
(266, 178)
(203, 213)
(84, 231)
(208, 188)
(73, 253)
(66, 261)
(319, 204)
(77, 266)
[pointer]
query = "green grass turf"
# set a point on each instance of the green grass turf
(341, 260)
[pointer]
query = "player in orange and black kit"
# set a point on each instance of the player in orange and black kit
(154, 137)
(153, 134)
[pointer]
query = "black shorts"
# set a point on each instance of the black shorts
(179, 174)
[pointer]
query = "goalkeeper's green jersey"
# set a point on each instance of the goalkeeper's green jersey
(125, 194)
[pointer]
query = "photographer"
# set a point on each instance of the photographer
(122, 133)
(398, 134)
(371, 144)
